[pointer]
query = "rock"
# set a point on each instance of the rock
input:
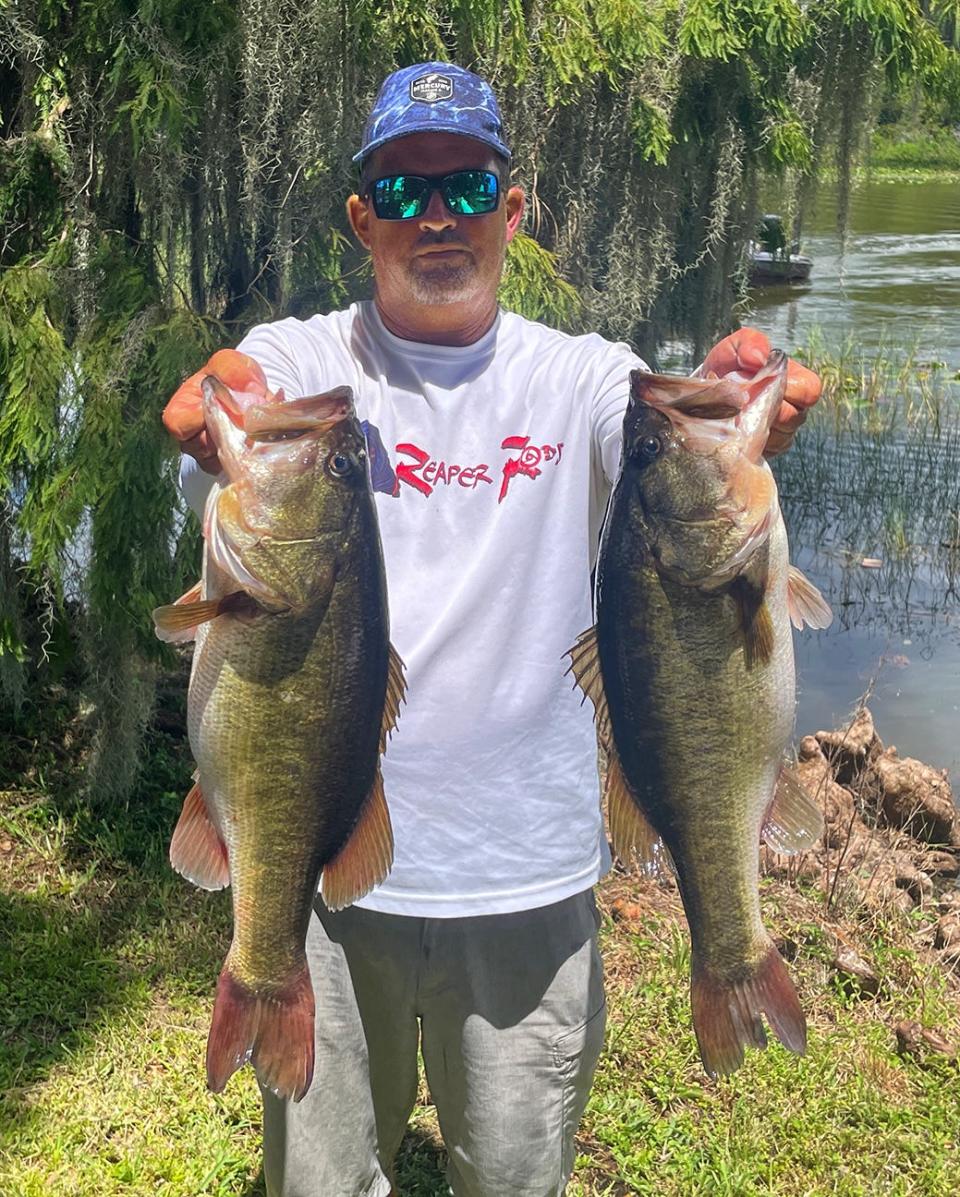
(947, 934)
(908, 1037)
(937, 1042)
(622, 911)
(808, 748)
(914, 797)
(950, 900)
(850, 749)
(941, 864)
(917, 884)
(854, 972)
(912, 1037)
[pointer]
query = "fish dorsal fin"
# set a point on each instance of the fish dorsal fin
(585, 667)
(753, 615)
(793, 822)
(805, 603)
(365, 858)
(633, 838)
(197, 850)
(396, 692)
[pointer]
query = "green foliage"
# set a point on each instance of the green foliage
(173, 172)
(532, 285)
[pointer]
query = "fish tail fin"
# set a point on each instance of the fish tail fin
(274, 1032)
(726, 1015)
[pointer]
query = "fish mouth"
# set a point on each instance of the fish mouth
(706, 411)
(288, 420)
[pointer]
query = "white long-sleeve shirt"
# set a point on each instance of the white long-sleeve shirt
(499, 460)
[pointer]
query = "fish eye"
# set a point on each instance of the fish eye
(339, 464)
(650, 447)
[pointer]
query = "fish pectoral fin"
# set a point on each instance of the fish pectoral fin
(197, 851)
(726, 1013)
(793, 822)
(365, 858)
(396, 693)
(634, 839)
(178, 635)
(178, 622)
(805, 603)
(754, 618)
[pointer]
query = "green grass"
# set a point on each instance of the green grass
(915, 149)
(107, 970)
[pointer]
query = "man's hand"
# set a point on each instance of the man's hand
(747, 350)
(183, 415)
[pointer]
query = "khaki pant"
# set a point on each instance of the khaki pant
(509, 1013)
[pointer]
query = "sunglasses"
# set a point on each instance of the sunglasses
(465, 192)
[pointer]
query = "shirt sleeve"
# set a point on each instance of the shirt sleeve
(610, 403)
(270, 348)
(196, 484)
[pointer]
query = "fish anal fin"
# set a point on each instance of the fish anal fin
(196, 850)
(753, 615)
(805, 604)
(793, 822)
(396, 692)
(274, 1031)
(726, 1014)
(365, 858)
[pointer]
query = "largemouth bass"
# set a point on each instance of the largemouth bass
(690, 670)
(293, 691)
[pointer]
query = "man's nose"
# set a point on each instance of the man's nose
(437, 216)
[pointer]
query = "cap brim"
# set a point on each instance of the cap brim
(434, 127)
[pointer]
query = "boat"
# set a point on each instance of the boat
(772, 259)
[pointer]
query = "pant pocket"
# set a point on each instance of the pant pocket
(575, 1055)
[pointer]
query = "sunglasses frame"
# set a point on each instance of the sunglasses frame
(434, 183)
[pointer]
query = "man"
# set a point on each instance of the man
(503, 438)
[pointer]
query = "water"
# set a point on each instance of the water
(896, 284)
(886, 490)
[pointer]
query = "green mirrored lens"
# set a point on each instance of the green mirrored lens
(471, 192)
(399, 197)
(465, 192)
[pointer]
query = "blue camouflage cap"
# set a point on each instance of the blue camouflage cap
(434, 97)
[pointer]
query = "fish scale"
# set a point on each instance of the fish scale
(293, 692)
(690, 670)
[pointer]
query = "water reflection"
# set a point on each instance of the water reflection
(872, 503)
(896, 278)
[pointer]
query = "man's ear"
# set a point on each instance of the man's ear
(358, 213)
(514, 202)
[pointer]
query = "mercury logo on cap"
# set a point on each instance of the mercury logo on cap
(429, 89)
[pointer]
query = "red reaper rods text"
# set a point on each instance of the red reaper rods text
(424, 473)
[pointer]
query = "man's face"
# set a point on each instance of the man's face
(436, 258)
